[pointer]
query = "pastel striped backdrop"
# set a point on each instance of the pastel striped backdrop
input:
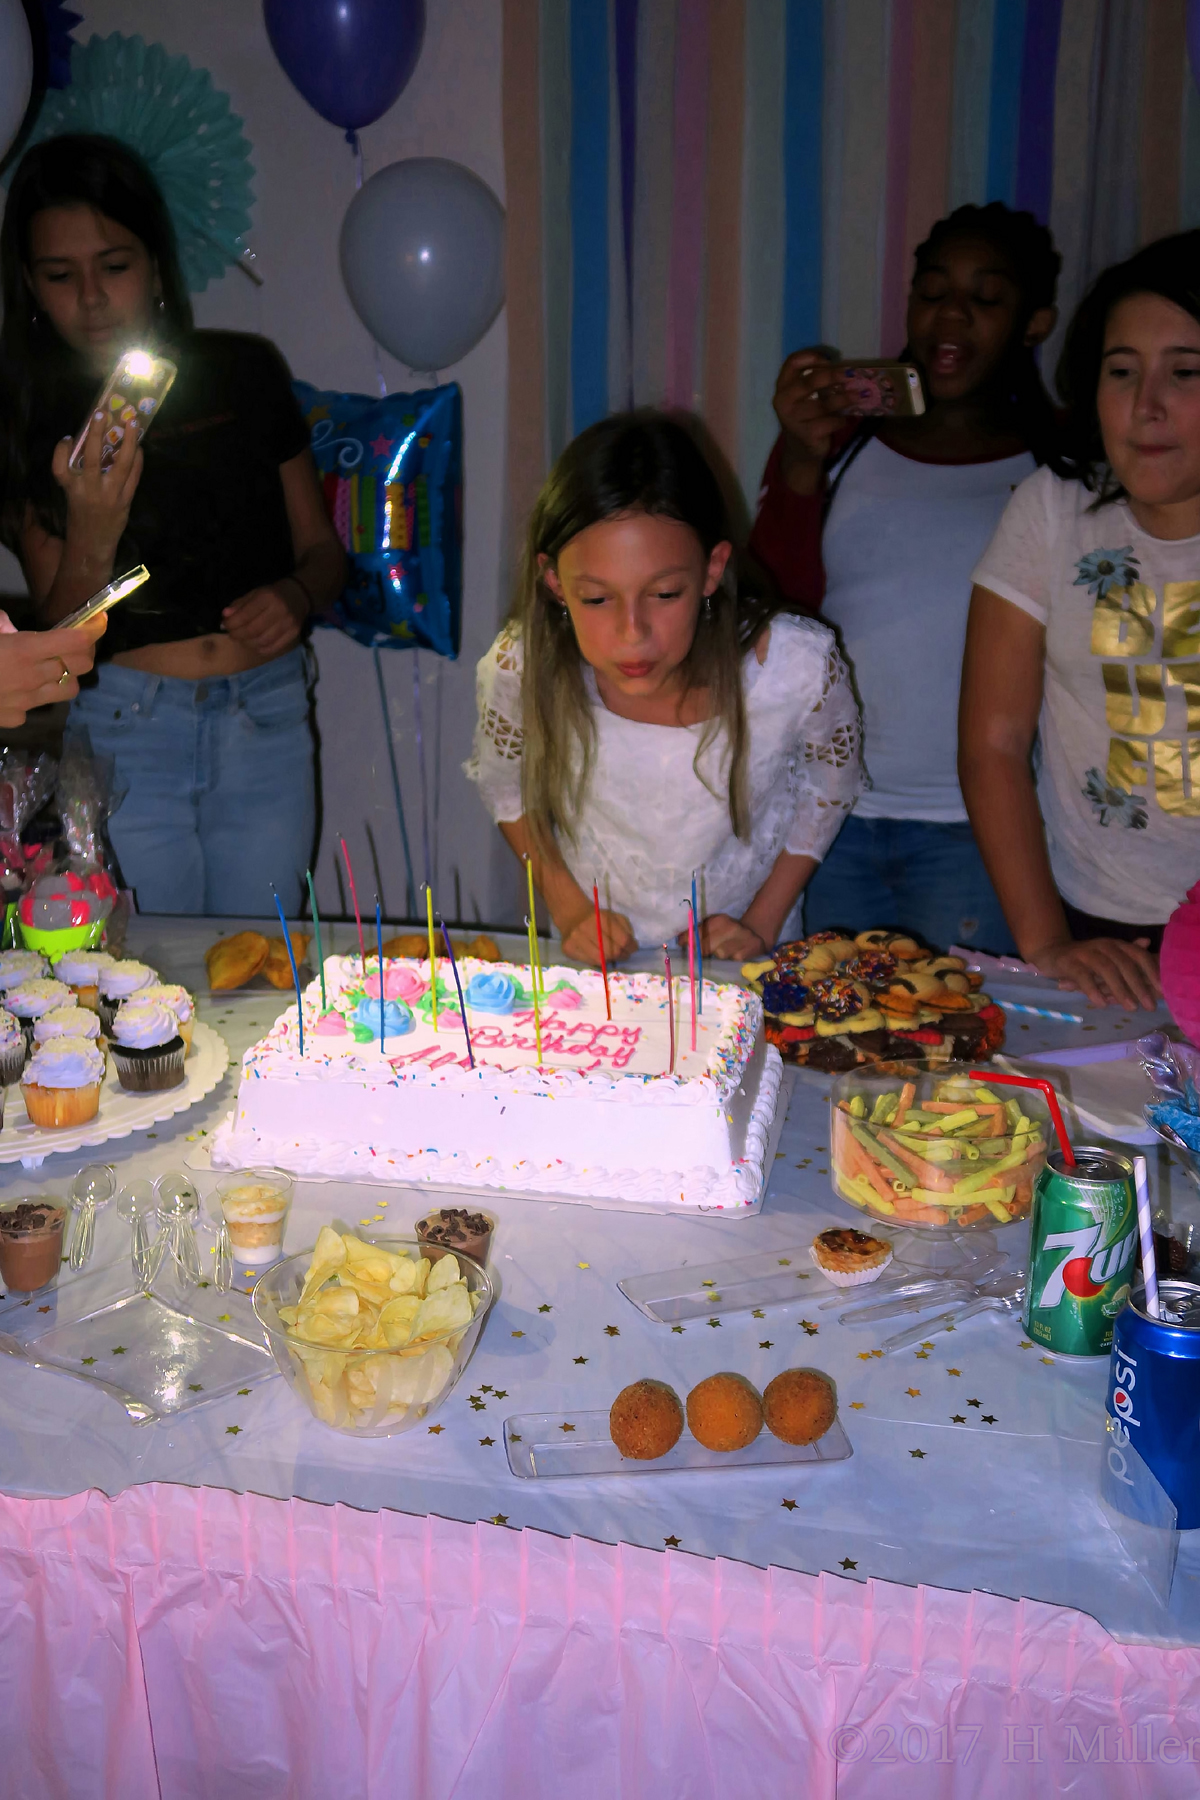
(695, 187)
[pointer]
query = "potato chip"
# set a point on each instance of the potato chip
(445, 1273)
(445, 1310)
(404, 1278)
(233, 961)
(396, 1320)
(329, 1254)
(277, 968)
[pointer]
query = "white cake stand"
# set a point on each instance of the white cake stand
(121, 1113)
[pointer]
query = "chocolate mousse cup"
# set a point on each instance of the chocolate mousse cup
(31, 1242)
(452, 1229)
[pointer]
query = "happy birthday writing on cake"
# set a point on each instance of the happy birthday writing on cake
(606, 1044)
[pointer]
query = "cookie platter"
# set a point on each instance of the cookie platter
(120, 1113)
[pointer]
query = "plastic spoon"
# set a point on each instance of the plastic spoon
(1004, 1294)
(917, 1299)
(135, 1204)
(178, 1208)
(91, 1190)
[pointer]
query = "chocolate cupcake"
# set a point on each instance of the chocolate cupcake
(455, 1229)
(147, 1051)
(122, 981)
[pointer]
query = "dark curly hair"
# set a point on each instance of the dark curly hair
(1028, 249)
(1170, 267)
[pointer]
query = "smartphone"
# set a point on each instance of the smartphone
(129, 398)
(108, 597)
(882, 390)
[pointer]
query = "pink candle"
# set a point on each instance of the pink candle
(692, 967)
(670, 1006)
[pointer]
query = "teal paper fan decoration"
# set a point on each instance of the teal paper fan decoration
(181, 125)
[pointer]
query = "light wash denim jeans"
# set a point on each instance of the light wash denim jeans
(220, 780)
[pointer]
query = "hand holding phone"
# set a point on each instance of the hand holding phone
(880, 390)
(128, 401)
(108, 597)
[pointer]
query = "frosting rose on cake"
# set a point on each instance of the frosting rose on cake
(490, 992)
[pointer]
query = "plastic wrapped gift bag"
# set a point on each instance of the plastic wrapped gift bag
(391, 470)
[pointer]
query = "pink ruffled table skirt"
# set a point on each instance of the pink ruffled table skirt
(203, 1645)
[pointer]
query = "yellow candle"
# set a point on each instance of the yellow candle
(432, 957)
(535, 955)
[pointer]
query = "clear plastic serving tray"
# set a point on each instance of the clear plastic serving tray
(546, 1446)
(156, 1354)
(673, 1296)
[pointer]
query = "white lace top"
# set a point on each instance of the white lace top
(648, 821)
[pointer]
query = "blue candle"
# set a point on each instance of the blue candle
(287, 938)
(379, 945)
(462, 1005)
(699, 949)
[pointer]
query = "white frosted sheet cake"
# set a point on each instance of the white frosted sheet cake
(600, 1117)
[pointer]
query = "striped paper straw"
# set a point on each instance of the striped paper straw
(1041, 1012)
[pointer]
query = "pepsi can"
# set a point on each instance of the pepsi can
(1154, 1392)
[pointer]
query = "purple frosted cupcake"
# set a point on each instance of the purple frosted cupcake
(122, 981)
(33, 999)
(18, 966)
(147, 1050)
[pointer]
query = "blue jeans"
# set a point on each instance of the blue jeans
(220, 781)
(908, 875)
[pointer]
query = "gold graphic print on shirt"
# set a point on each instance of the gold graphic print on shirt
(1142, 763)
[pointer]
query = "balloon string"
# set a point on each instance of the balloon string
(411, 889)
(352, 138)
(419, 721)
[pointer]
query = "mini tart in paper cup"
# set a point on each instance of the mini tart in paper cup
(849, 1258)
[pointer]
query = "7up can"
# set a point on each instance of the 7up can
(1081, 1252)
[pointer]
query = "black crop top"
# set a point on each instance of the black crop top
(208, 518)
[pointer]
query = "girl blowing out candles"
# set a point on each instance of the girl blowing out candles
(1084, 636)
(641, 716)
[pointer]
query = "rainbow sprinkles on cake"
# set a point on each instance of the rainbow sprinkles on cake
(600, 1117)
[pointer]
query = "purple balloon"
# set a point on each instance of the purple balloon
(350, 59)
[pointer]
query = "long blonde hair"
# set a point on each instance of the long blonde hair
(632, 462)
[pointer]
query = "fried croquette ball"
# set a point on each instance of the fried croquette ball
(724, 1412)
(645, 1420)
(799, 1406)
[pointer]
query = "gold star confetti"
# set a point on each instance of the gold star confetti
(118, 1350)
(988, 1418)
(486, 1443)
(566, 1428)
(877, 1353)
(922, 1356)
(232, 1430)
(581, 1359)
(954, 1371)
(758, 1313)
(87, 1361)
(766, 1344)
(974, 1403)
(917, 1453)
(672, 1543)
(485, 1387)
(785, 1262)
(927, 1345)
(807, 1326)
(790, 1505)
(612, 1331)
(518, 1334)
(1047, 1359)
(195, 1387)
(857, 1405)
(243, 1390)
(1024, 1344)
(957, 1419)
(43, 1309)
(708, 1284)
(500, 1394)
(514, 1437)
(914, 1393)
(678, 1328)
(848, 1562)
(715, 1323)
(864, 1356)
(499, 1519)
(222, 1318)
(433, 1430)
(583, 1265)
(545, 1307)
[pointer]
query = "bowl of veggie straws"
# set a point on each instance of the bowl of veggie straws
(943, 1151)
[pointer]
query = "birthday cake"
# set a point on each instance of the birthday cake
(619, 1110)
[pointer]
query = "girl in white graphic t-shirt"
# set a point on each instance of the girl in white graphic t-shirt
(1084, 636)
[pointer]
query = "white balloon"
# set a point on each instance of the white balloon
(422, 253)
(16, 70)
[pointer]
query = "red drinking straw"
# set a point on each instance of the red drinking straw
(362, 948)
(1044, 1087)
(670, 1006)
(600, 947)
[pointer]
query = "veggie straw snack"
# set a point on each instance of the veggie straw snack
(938, 1151)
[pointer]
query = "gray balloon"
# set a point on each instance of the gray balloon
(16, 70)
(422, 254)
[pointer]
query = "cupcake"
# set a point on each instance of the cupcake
(850, 1258)
(147, 1050)
(17, 966)
(66, 1021)
(61, 1083)
(34, 998)
(13, 1049)
(80, 969)
(121, 981)
(170, 994)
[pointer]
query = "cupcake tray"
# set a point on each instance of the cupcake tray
(547, 1446)
(700, 1291)
(156, 1354)
(121, 1113)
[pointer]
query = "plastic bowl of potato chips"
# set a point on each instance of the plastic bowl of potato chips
(371, 1334)
(939, 1152)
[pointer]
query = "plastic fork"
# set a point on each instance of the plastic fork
(1002, 1295)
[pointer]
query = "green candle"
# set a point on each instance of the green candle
(312, 895)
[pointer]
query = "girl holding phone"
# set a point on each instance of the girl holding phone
(1085, 636)
(880, 525)
(202, 693)
(644, 716)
